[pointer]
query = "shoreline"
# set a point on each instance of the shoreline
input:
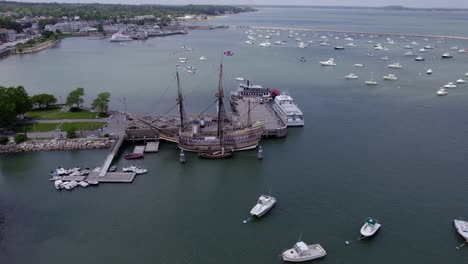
(56, 145)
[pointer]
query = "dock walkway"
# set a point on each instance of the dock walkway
(115, 177)
(112, 153)
(152, 147)
(261, 112)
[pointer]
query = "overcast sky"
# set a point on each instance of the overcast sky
(409, 3)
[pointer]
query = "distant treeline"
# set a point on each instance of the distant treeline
(112, 11)
(392, 7)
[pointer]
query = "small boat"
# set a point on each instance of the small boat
(371, 82)
(453, 48)
(83, 184)
(203, 58)
(462, 228)
(390, 77)
(466, 74)
(182, 61)
(408, 47)
(249, 42)
(303, 252)
(385, 58)
(395, 66)
(265, 44)
(215, 155)
(241, 79)
(429, 71)
(419, 58)
(183, 58)
(302, 59)
(339, 47)
(351, 44)
(442, 91)
(264, 204)
(409, 53)
(329, 62)
(450, 85)
(370, 227)
(134, 156)
(423, 50)
(134, 169)
(351, 76)
(447, 55)
(463, 51)
(58, 184)
(461, 81)
(113, 168)
(191, 68)
(358, 65)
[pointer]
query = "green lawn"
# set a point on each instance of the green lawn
(37, 127)
(71, 115)
(41, 112)
(82, 125)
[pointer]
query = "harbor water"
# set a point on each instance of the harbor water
(395, 152)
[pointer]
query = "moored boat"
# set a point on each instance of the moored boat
(442, 91)
(462, 228)
(303, 252)
(370, 227)
(264, 204)
(134, 156)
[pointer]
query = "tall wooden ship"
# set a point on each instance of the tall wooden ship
(220, 135)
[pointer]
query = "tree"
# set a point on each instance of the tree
(21, 99)
(20, 138)
(43, 100)
(75, 97)
(100, 28)
(101, 103)
(7, 108)
(71, 132)
(47, 34)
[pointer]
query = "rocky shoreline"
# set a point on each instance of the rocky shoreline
(57, 144)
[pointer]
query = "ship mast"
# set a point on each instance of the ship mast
(220, 96)
(180, 100)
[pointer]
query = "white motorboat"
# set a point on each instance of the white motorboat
(385, 58)
(461, 81)
(83, 184)
(396, 65)
(447, 55)
(58, 184)
(241, 79)
(423, 50)
(462, 228)
(339, 48)
(450, 85)
(429, 71)
(279, 42)
(203, 58)
(370, 227)
(441, 92)
(264, 204)
(408, 47)
(358, 65)
(371, 82)
(390, 77)
(409, 53)
(134, 169)
(302, 45)
(466, 74)
(249, 42)
(463, 51)
(454, 48)
(351, 44)
(303, 252)
(419, 58)
(324, 44)
(351, 76)
(414, 43)
(183, 58)
(329, 62)
(119, 37)
(265, 44)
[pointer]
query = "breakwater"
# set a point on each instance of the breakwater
(57, 144)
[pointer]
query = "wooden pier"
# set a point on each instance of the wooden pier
(259, 112)
(139, 149)
(110, 157)
(152, 147)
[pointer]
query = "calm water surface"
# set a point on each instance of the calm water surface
(395, 152)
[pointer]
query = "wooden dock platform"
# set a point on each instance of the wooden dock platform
(259, 112)
(152, 147)
(112, 177)
(73, 178)
(110, 157)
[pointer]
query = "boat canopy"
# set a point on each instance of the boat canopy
(371, 221)
(301, 247)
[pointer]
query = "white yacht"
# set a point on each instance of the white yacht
(265, 44)
(461, 81)
(450, 85)
(288, 111)
(370, 227)
(302, 45)
(429, 71)
(419, 58)
(447, 55)
(303, 252)
(442, 91)
(329, 62)
(396, 65)
(390, 77)
(462, 228)
(423, 50)
(351, 76)
(358, 65)
(203, 58)
(264, 204)
(371, 82)
(119, 37)
(385, 58)
(249, 42)
(241, 79)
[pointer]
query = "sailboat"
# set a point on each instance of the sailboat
(220, 141)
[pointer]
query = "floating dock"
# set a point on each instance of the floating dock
(111, 177)
(152, 147)
(139, 149)
(259, 112)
